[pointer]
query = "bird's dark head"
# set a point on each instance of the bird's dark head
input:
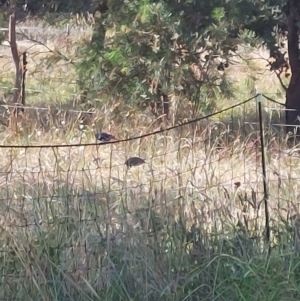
(98, 136)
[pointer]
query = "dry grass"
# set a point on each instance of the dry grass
(48, 81)
(74, 227)
(76, 224)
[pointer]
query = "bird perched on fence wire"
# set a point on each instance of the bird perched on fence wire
(104, 137)
(134, 161)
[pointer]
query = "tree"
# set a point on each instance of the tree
(292, 11)
(145, 51)
(164, 53)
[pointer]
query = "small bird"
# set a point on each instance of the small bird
(104, 137)
(134, 161)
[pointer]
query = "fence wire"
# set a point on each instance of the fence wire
(73, 208)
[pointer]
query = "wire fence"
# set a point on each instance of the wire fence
(75, 219)
(71, 213)
(74, 208)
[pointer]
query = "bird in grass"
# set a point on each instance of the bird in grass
(134, 161)
(104, 137)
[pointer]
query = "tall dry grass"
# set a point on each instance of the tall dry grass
(76, 224)
(187, 225)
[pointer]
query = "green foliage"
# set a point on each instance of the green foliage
(218, 14)
(142, 50)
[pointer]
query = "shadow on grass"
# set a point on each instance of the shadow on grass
(62, 243)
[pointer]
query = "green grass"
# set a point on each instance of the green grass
(75, 224)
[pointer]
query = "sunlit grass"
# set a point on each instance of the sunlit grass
(76, 224)
(80, 221)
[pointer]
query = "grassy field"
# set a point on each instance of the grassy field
(76, 224)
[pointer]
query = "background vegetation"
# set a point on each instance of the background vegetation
(187, 225)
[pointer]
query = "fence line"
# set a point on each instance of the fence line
(144, 135)
(141, 136)
(90, 112)
(81, 206)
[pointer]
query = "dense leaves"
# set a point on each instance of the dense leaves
(165, 53)
(147, 51)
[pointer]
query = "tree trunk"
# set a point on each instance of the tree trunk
(15, 56)
(293, 90)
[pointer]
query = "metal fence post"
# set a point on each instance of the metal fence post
(263, 162)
